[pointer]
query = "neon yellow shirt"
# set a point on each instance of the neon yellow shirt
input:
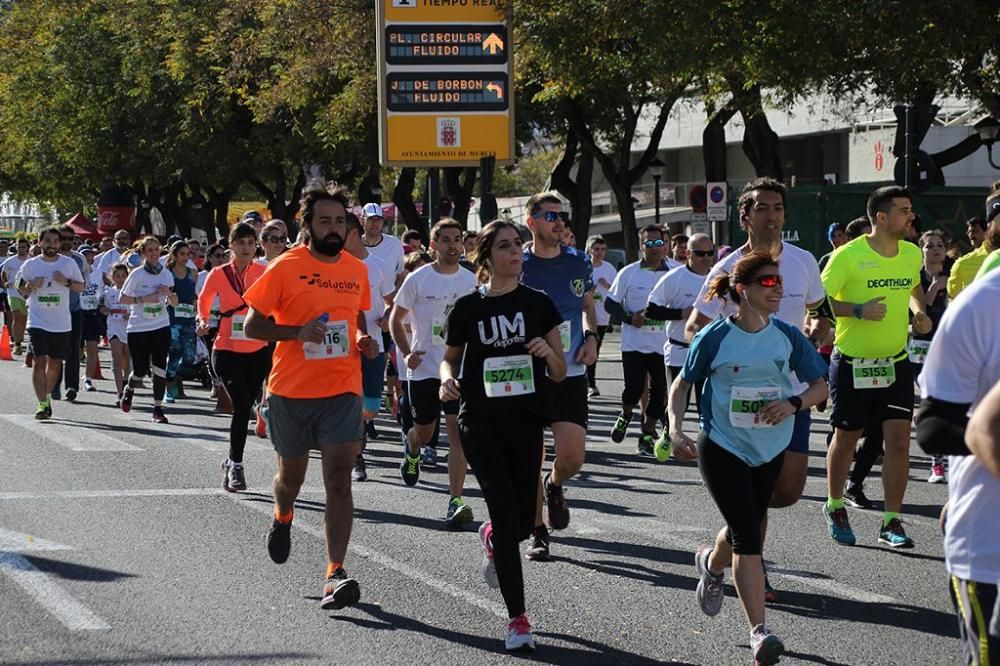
(856, 274)
(965, 269)
(992, 261)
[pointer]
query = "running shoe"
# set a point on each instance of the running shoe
(663, 448)
(360, 472)
(854, 495)
(260, 425)
(339, 591)
(233, 479)
(839, 526)
(593, 392)
(937, 473)
(170, 397)
(710, 592)
(428, 457)
(459, 513)
(894, 536)
(70, 395)
(279, 541)
(126, 403)
(766, 647)
(48, 410)
(409, 469)
(489, 566)
(42, 414)
(621, 425)
(556, 502)
(519, 638)
(18, 349)
(645, 447)
(370, 429)
(88, 386)
(538, 545)
(159, 416)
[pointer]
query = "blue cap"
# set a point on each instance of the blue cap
(836, 226)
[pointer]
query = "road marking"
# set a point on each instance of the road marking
(17, 542)
(843, 590)
(73, 436)
(137, 492)
(185, 434)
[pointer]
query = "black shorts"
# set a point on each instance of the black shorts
(568, 400)
(854, 408)
(425, 401)
(93, 325)
(4, 304)
(53, 345)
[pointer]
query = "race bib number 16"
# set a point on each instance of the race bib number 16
(335, 345)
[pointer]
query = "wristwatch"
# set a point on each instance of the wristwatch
(588, 334)
(796, 403)
(859, 311)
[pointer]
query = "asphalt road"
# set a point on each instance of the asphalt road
(118, 545)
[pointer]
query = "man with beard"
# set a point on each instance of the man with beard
(71, 370)
(46, 281)
(312, 302)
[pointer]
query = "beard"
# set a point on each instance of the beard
(50, 251)
(330, 246)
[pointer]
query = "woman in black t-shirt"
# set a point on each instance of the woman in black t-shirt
(502, 339)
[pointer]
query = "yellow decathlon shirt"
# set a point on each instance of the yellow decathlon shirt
(856, 274)
(965, 269)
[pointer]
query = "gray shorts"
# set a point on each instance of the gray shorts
(300, 424)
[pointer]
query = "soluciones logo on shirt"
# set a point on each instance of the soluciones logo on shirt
(342, 285)
(891, 283)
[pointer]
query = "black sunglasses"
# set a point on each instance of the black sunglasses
(275, 239)
(703, 253)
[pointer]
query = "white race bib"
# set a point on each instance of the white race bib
(184, 311)
(89, 302)
(565, 335)
(653, 326)
(505, 376)
(236, 331)
(917, 351)
(872, 373)
(152, 310)
(335, 345)
(746, 402)
(48, 299)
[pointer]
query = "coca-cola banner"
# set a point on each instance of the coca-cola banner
(112, 218)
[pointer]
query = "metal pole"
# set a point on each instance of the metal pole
(433, 197)
(909, 156)
(656, 197)
(487, 202)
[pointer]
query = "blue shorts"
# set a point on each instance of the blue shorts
(373, 381)
(800, 433)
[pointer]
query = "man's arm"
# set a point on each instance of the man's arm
(696, 321)
(259, 327)
(983, 433)
(398, 330)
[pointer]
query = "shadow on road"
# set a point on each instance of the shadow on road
(70, 571)
(229, 657)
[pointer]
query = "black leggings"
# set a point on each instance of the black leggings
(242, 374)
(741, 492)
(148, 350)
(636, 366)
(506, 456)
(592, 369)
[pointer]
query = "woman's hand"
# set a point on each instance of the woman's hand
(538, 347)
(450, 390)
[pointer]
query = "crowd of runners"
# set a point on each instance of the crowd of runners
(305, 340)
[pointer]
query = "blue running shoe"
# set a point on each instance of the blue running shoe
(839, 526)
(893, 535)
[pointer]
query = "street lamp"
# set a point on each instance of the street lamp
(656, 169)
(989, 131)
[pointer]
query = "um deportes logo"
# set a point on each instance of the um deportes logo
(891, 283)
(317, 280)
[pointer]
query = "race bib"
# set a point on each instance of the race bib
(89, 302)
(437, 328)
(746, 402)
(565, 335)
(152, 311)
(598, 297)
(505, 376)
(917, 351)
(184, 311)
(872, 373)
(335, 345)
(48, 299)
(653, 326)
(119, 313)
(236, 331)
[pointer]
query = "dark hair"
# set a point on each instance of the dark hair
(214, 247)
(49, 230)
(680, 239)
(413, 258)
(928, 234)
(534, 204)
(468, 233)
(855, 228)
(321, 191)
(354, 224)
(120, 267)
(441, 225)
(595, 240)
(880, 200)
(480, 256)
(176, 247)
(651, 229)
(239, 232)
(413, 234)
(765, 184)
(724, 285)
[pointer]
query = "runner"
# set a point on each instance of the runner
(118, 315)
(992, 260)
(672, 300)
(71, 369)
(680, 248)
(566, 275)
(311, 300)
(642, 339)
(502, 339)
(382, 285)
(274, 240)
(604, 275)
(109, 259)
(182, 315)
(962, 372)
(873, 283)
(836, 233)
(18, 307)
(92, 323)
(384, 246)
(46, 282)
(746, 361)
(241, 363)
(428, 294)
(147, 289)
(966, 267)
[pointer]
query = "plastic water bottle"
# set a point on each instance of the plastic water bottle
(311, 349)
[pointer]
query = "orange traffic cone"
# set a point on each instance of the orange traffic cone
(5, 354)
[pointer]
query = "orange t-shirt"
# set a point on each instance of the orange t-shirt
(217, 284)
(297, 288)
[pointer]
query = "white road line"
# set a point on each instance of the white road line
(833, 587)
(17, 542)
(138, 492)
(49, 595)
(75, 437)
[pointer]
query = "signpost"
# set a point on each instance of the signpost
(445, 72)
(718, 202)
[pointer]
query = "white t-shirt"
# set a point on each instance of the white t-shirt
(800, 280)
(11, 266)
(48, 307)
(962, 365)
(93, 289)
(381, 283)
(607, 273)
(677, 289)
(428, 296)
(147, 316)
(390, 251)
(104, 262)
(631, 289)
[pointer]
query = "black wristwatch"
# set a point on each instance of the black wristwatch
(588, 334)
(796, 403)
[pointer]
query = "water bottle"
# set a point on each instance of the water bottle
(311, 349)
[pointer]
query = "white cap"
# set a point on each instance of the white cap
(372, 210)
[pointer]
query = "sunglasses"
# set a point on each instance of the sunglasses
(768, 281)
(653, 243)
(217, 255)
(276, 239)
(551, 216)
(703, 253)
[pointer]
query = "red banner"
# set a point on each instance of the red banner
(112, 218)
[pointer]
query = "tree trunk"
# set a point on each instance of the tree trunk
(366, 188)
(281, 208)
(760, 142)
(713, 142)
(402, 196)
(459, 183)
(577, 190)
(626, 209)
